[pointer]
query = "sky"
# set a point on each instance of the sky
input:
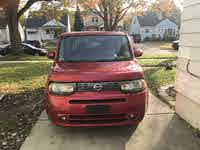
(179, 3)
(37, 5)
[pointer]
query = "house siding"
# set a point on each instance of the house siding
(144, 34)
(88, 21)
(187, 85)
(33, 34)
(3, 35)
(135, 26)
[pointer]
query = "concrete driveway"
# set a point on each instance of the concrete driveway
(154, 48)
(160, 130)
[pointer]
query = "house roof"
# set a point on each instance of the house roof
(151, 19)
(35, 22)
(53, 23)
(39, 21)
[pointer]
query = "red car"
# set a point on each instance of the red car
(96, 81)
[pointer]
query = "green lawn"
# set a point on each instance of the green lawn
(157, 77)
(24, 76)
(158, 56)
(23, 57)
(154, 62)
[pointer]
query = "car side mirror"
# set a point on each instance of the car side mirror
(51, 55)
(138, 52)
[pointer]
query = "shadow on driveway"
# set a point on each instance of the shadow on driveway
(177, 136)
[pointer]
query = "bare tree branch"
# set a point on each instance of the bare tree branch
(95, 11)
(28, 4)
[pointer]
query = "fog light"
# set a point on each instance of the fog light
(131, 116)
(64, 118)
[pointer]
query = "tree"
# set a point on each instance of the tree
(167, 8)
(164, 6)
(112, 11)
(78, 22)
(52, 10)
(11, 7)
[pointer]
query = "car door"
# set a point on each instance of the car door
(28, 50)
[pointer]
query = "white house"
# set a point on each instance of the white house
(151, 26)
(93, 22)
(3, 32)
(41, 29)
(188, 70)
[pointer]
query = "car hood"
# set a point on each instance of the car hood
(98, 71)
(42, 49)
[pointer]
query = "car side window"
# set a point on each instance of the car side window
(24, 47)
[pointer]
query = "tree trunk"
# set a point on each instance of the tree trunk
(106, 25)
(15, 38)
(114, 26)
(105, 18)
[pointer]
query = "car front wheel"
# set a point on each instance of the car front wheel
(36, 54)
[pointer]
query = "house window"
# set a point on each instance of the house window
(95, 19)
(47, 31)
(147, 30)
(31, 32)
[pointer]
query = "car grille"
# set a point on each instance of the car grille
(96, 119)
(106, 86)
(97, 101)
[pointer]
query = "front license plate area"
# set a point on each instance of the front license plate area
(98, 109)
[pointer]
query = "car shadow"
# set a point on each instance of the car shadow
(177, 136)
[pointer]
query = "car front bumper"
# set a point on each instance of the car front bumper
(125, 109)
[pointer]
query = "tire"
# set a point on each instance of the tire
(3, 52)
(36, 54)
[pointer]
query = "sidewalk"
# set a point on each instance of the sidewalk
(161, 129)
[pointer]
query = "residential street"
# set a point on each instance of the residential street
(161, 129)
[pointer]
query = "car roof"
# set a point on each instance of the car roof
(85, 33)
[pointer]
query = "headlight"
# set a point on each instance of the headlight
(132, 86)
(62, 88)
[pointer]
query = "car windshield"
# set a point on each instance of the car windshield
(94, 48)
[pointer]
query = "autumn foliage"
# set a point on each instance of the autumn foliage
(112, 11)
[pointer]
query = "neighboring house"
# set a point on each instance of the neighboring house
(153, 27)
(188, 70)
(93, 22)
(40, 29)
(3, 32)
